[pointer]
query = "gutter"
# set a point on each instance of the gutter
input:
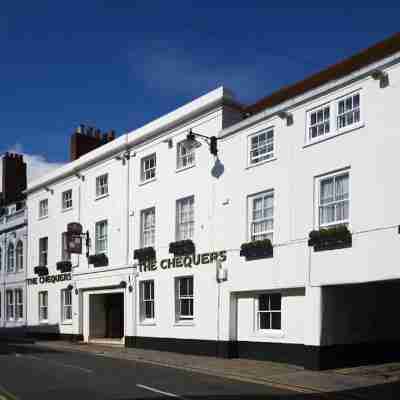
(310, 95)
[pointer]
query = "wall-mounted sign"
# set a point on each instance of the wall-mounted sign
(49, 279)
(183, 261)
(74, 243)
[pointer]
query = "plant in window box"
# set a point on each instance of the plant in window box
(64, 266)
(257, 249)
(41, 270)
(144, 254)
(336, 237)
(182, 248)
(98, 260)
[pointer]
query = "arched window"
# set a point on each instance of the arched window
(19, 254)
(10, 258)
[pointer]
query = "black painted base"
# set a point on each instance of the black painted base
(309, 357)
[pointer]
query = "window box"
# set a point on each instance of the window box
(41, 270)
(64, 266)
(257, 249)
(144, 254)
(98, 260)
(337, 237)
(182, 248)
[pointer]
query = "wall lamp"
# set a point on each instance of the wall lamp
(191, 141)
(286, 115)
(47, 189)
(382, 77)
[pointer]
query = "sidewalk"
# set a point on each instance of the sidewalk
(261, 372)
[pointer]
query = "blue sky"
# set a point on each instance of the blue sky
(119, 64)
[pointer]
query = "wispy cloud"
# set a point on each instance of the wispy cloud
(166, 67)
(37, 165)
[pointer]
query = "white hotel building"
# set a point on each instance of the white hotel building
(311, 157)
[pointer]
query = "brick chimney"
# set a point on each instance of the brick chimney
(14, 178)
(86, 139)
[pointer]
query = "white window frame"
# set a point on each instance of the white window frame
(319, 180)
(19, 304)
(102, 188)
(10, 257)
(334, 116)
(99, 247)
(147, 231)
(185, 228)
(43, 251)
(268, 233)
(43, 208)
(179, 298)
(148, 168)
(19, 256)
(66, 200)
(324, 124)
(10, 305)
(43, 295)
(144, 300)
(185, 155)
(66, 307)
(1, 258)
(354, 112)
(269, 154)
(269, 310)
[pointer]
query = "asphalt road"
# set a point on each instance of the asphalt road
(34, 372)
(30, 372)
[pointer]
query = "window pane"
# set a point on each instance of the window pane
(276, 320)
(275, 301)
(263, 303)
(264, 320)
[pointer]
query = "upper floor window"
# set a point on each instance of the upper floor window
(10, 257)
(43, 208)
(333, 207)
(148, 168)
(19, 255)
(261, 146)
(148, 223)
(101, 237)
(185, 218)
(319, 122)
(185, 155)
(184, 298)
(334, 117)
(348, 111)
(147, 300)
(43, 251)
(269, 311)
(261, 215)
(67, 199)
(102, 185)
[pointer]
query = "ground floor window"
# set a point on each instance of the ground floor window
(269, 312)
(147, 300)
(66, 305)
(14, 304)
(43, 306)
(184, 298)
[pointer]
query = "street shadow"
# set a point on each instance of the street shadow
(26, 347)
(387, 391)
